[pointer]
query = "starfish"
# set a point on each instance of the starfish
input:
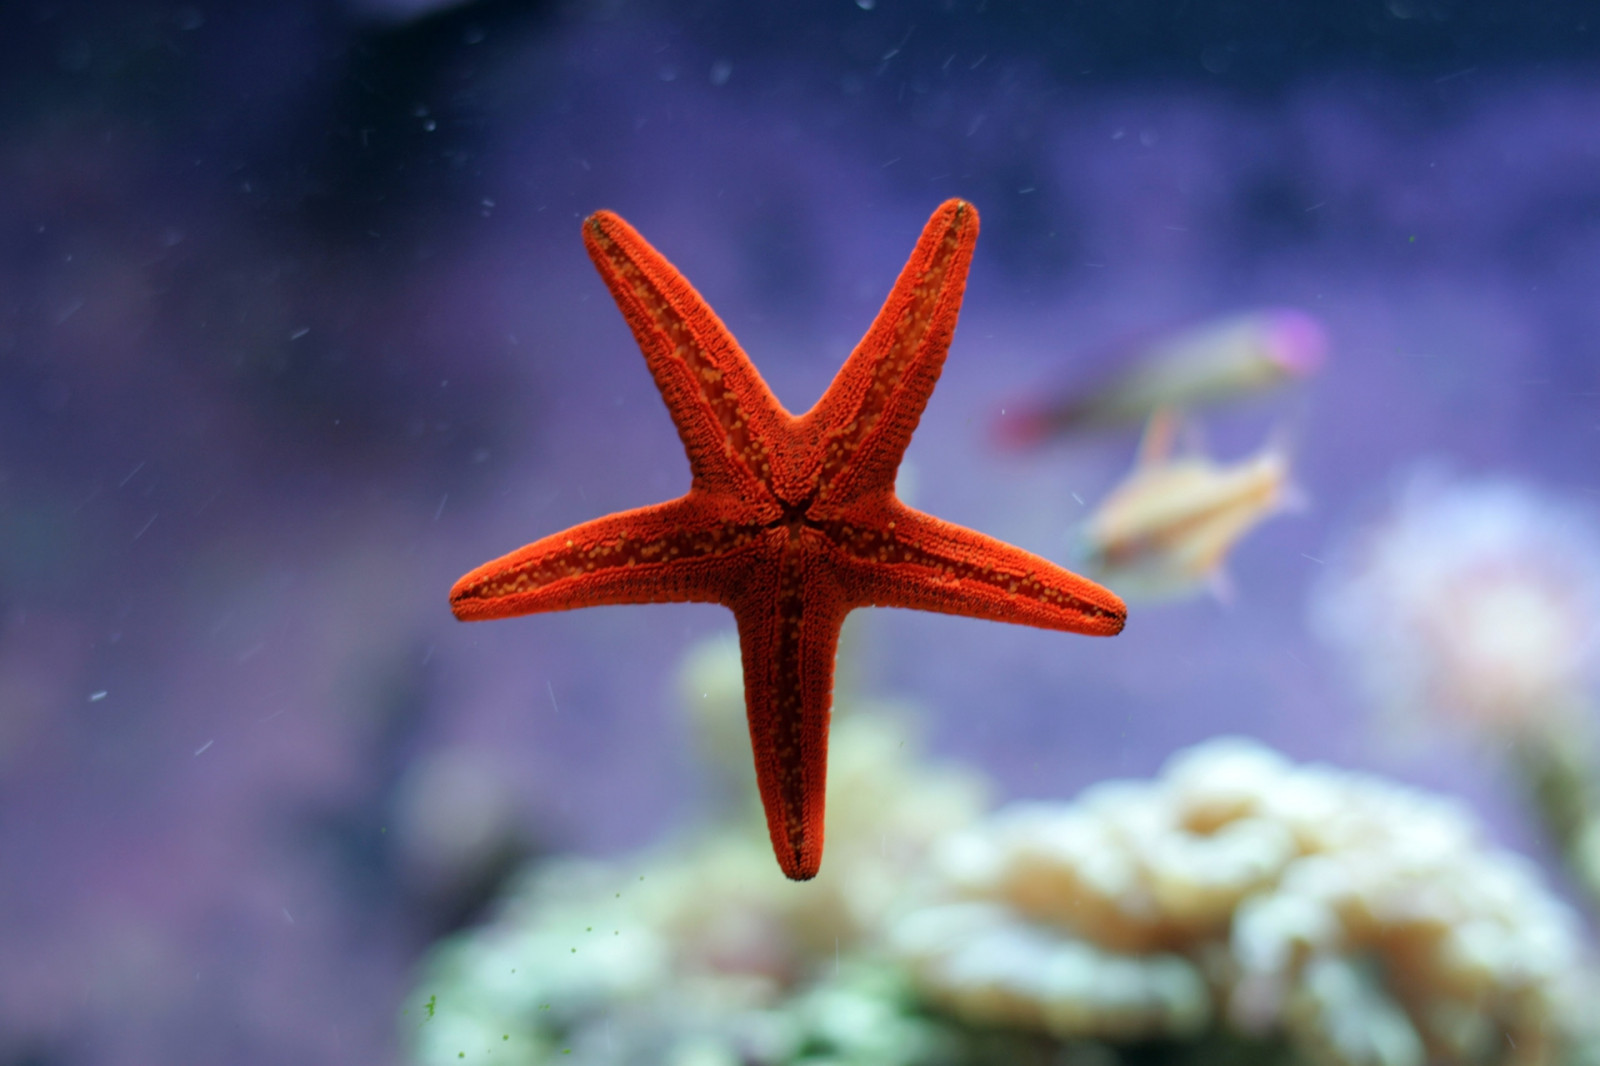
(790, 521)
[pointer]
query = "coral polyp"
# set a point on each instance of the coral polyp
(1471, 601)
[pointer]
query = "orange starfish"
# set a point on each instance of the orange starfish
(790, 521)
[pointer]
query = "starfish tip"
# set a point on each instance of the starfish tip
(601, 224)
(801, 867)
(1111, 613)
(466, 601)
(958, 207)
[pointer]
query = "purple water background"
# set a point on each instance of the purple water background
(288, 343)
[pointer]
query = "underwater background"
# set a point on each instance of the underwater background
(296, 327)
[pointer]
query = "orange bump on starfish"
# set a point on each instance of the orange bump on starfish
(790, 521)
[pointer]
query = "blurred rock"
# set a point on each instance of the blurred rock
(458, 823)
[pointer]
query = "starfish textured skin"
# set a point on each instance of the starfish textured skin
(790, 521)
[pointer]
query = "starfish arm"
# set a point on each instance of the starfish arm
(865, 419)
(673, 552)
(900, 557)
(788, 632)
(728, 419)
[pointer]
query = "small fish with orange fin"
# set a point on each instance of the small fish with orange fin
(1217, 360)
(1166, 531)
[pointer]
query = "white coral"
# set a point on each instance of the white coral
(1368, 921)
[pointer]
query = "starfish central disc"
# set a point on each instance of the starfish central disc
(790, 521)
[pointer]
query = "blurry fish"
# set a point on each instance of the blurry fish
(1217, 360)
(1166, 531)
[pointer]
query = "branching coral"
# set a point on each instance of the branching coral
(1367, 922)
